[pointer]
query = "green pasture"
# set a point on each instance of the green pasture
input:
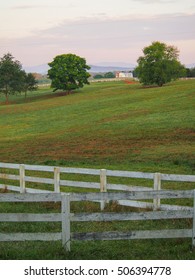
(110, 125)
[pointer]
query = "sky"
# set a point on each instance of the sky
(35, 31)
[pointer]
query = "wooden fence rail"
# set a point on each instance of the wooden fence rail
(103, 185)
(66, 217)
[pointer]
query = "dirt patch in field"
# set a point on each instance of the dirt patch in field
(130, 82)
(99, 148)
(125, 116)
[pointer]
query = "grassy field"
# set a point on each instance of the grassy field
(110, 125)
(105, 124)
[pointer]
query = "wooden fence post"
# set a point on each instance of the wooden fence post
(103, 186)
(157, 187)
(22, 178)
(65, 208)
(56, 179)
(193, 229)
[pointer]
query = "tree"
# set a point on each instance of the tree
(68, 72)
(109, 75)
(98, 76)
(11, 75)
(190, 72)
(159, 65)
(29, 82)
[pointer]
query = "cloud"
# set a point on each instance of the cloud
(155, 1)
(112, 32)
(25, 7)
(106, 38)
(43, 6)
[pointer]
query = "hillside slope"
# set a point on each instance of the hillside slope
(113, 125)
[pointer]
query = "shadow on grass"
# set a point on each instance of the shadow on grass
(20, 99)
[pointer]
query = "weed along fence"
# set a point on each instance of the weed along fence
(102, 185)
(66, 217)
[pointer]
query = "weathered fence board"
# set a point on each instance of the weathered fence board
(136, 204)
(148, 205)
(30, 190)
(39, 180)
(80, 171)
(145, 234)
(26, 217)
(14, 197)
(9, 187)
(119, 187)
(27, 190)
(130, 174)
(9, 165)
(30, 236)
(9, 176)
(97, 196)
(39, 168)
(179, 178)
(132, 195)
(80, 184)
(132, 216)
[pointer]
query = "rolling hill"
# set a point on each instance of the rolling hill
(114, 124)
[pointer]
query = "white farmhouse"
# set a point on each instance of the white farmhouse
(124, 74)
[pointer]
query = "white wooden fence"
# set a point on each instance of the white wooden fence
(66, 217)
(103, 185)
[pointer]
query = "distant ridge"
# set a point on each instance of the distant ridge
(98, 69)
(192, 65)
(105, 67)
(43, 68)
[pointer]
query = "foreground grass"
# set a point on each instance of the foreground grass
(104, 125)
(171, 249)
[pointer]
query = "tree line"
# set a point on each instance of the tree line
(190, 72)
(13, 79)
(159, 65)
(108, 75)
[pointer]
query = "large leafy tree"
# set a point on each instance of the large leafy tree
(68, 72)
(11, 75)
(159, 65)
